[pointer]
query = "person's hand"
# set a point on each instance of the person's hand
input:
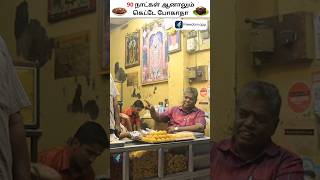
(149, 106)
(170, 129)
(123, 117)
(117, 128)
(43, 172)
(125, 135)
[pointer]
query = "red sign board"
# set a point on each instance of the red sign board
(203, 92)
(299, 97)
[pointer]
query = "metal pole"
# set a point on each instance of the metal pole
(160, 163)
(190, 158)
(125, 166)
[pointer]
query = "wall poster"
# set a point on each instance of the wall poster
(72, 55)
(154, 53)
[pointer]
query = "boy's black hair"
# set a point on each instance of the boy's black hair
(92, 133)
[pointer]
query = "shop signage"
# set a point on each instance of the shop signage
(203, 92)
(299, 97)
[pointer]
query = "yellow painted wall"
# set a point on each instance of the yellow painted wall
(178, 63)
(282, 76)
(223, 63)
(58, 124)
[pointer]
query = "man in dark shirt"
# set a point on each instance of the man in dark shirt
(250, 154)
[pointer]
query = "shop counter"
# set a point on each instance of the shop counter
(198, 157)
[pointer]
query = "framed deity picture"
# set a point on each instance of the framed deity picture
(154, 54)
(64, 9)
(28, 79)
(132, 42)
(174, 41)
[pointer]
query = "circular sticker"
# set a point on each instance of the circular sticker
(203, 92)
(299, 97)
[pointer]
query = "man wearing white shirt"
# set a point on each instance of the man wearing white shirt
(114, 110)
(14, 158)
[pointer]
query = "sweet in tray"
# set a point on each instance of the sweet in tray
(163, 136)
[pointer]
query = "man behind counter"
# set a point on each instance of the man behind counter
(186, 117)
